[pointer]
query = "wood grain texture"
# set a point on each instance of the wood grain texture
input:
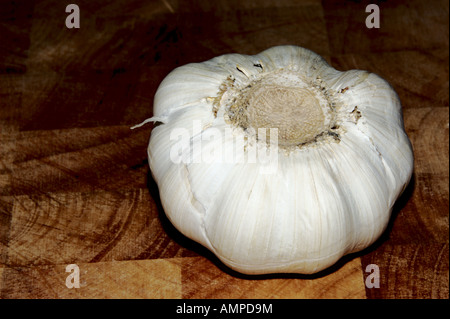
(75, 186)
(173, 278)
(346, 283)
(158, 278)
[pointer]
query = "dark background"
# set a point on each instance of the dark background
(74, 179)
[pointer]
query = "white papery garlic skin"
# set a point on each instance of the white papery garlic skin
(341, 159)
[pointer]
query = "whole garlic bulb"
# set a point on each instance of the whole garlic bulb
(277, 162)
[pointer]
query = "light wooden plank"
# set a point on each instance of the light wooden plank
(155, 279)
(202, 279)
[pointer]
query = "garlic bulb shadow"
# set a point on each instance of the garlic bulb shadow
(277, 162)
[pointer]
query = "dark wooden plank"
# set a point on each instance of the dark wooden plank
(79, 160)
(415, 271)
(404, 25)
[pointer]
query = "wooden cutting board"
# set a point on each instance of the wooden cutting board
(75, 187)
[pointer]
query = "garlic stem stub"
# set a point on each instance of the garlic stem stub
(277, 162)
